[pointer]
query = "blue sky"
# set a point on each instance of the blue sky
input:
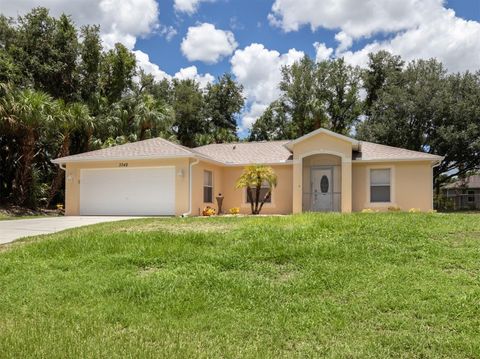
(203, 39)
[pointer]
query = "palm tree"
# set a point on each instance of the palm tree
(148, 115)
(254, 178)
(69, 118)
(26, 113)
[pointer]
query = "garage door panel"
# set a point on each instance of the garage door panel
(127, 191)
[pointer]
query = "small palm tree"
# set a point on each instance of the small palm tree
(253, 178)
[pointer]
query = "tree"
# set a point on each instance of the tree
(188, 108)
(69, 118)
(298, 96)
(90, 54)
(223, 100)
(274, 124)
(116, 72)
(253, 178)
(428, 110)
(26, 113)
(383, 68)
(337, 95)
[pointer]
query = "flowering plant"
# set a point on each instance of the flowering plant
(208, 211)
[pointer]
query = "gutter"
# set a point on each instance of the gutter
(186, 214)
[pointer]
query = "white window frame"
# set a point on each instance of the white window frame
(209, 186)
(392, 203)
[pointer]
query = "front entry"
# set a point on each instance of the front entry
(322, 189)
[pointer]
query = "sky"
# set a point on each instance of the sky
(253, 39)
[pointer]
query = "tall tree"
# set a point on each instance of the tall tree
(223, 101)
(382, 68)
(298, 95)
(337, 94)
(90, 55)
(188, 108)
(274, 124)
(117, 71)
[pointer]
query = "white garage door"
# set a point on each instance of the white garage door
(127, 191)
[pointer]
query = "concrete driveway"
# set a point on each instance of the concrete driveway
(11, 230)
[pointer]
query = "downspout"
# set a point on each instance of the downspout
(190, 176)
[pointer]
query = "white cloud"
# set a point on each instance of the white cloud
(322, 52)
(256, 110)
(452, 40)
(120, 20)
(259, 71)
(345, 41)
(168, 32)
(415, 29)
(208, 44)
(355, 18)
(188, 6)
(191, 72)
(143, 61)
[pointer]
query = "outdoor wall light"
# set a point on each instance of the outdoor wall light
(180, 173)
(69, 178)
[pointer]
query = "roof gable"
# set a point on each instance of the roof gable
(290, 144)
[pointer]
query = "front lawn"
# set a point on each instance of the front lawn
(355, 286)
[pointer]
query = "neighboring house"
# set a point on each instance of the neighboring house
(464, 193)
(321, 171)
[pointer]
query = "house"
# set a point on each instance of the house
(464, 193)
(321, 171)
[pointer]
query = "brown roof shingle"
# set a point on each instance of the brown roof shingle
(247, 152)
(151, 148)
(241, 153)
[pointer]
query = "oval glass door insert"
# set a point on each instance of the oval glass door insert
(324, 184)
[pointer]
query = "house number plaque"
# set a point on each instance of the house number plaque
(123, 164)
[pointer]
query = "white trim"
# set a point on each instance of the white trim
(384, 160)
(212, 187)
(290, 144)
(392, 202)
(190, 176)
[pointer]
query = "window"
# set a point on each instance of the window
(470, 196)
(263, 191)
(207, 187)
(380, 185)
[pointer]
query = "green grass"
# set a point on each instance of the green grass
(348, 286)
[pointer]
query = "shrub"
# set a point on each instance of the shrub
(414, 210)
(208, 211)
(394, 209)
(369, 210)
(234, 210)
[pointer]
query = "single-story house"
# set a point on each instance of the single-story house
(464, 193)
(320, 171)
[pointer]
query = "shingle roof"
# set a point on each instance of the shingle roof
(154, 147)
(375, 152)
(469, 182)
(247, 152)
(241, 153)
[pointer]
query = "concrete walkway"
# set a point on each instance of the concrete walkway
(11, 230)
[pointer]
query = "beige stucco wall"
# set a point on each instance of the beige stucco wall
(197, 185)
(281, 195)
(411, 185)
(72, 175)
(322, 144)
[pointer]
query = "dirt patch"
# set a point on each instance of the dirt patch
(16, 211)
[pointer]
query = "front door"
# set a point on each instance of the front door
(322, 189)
